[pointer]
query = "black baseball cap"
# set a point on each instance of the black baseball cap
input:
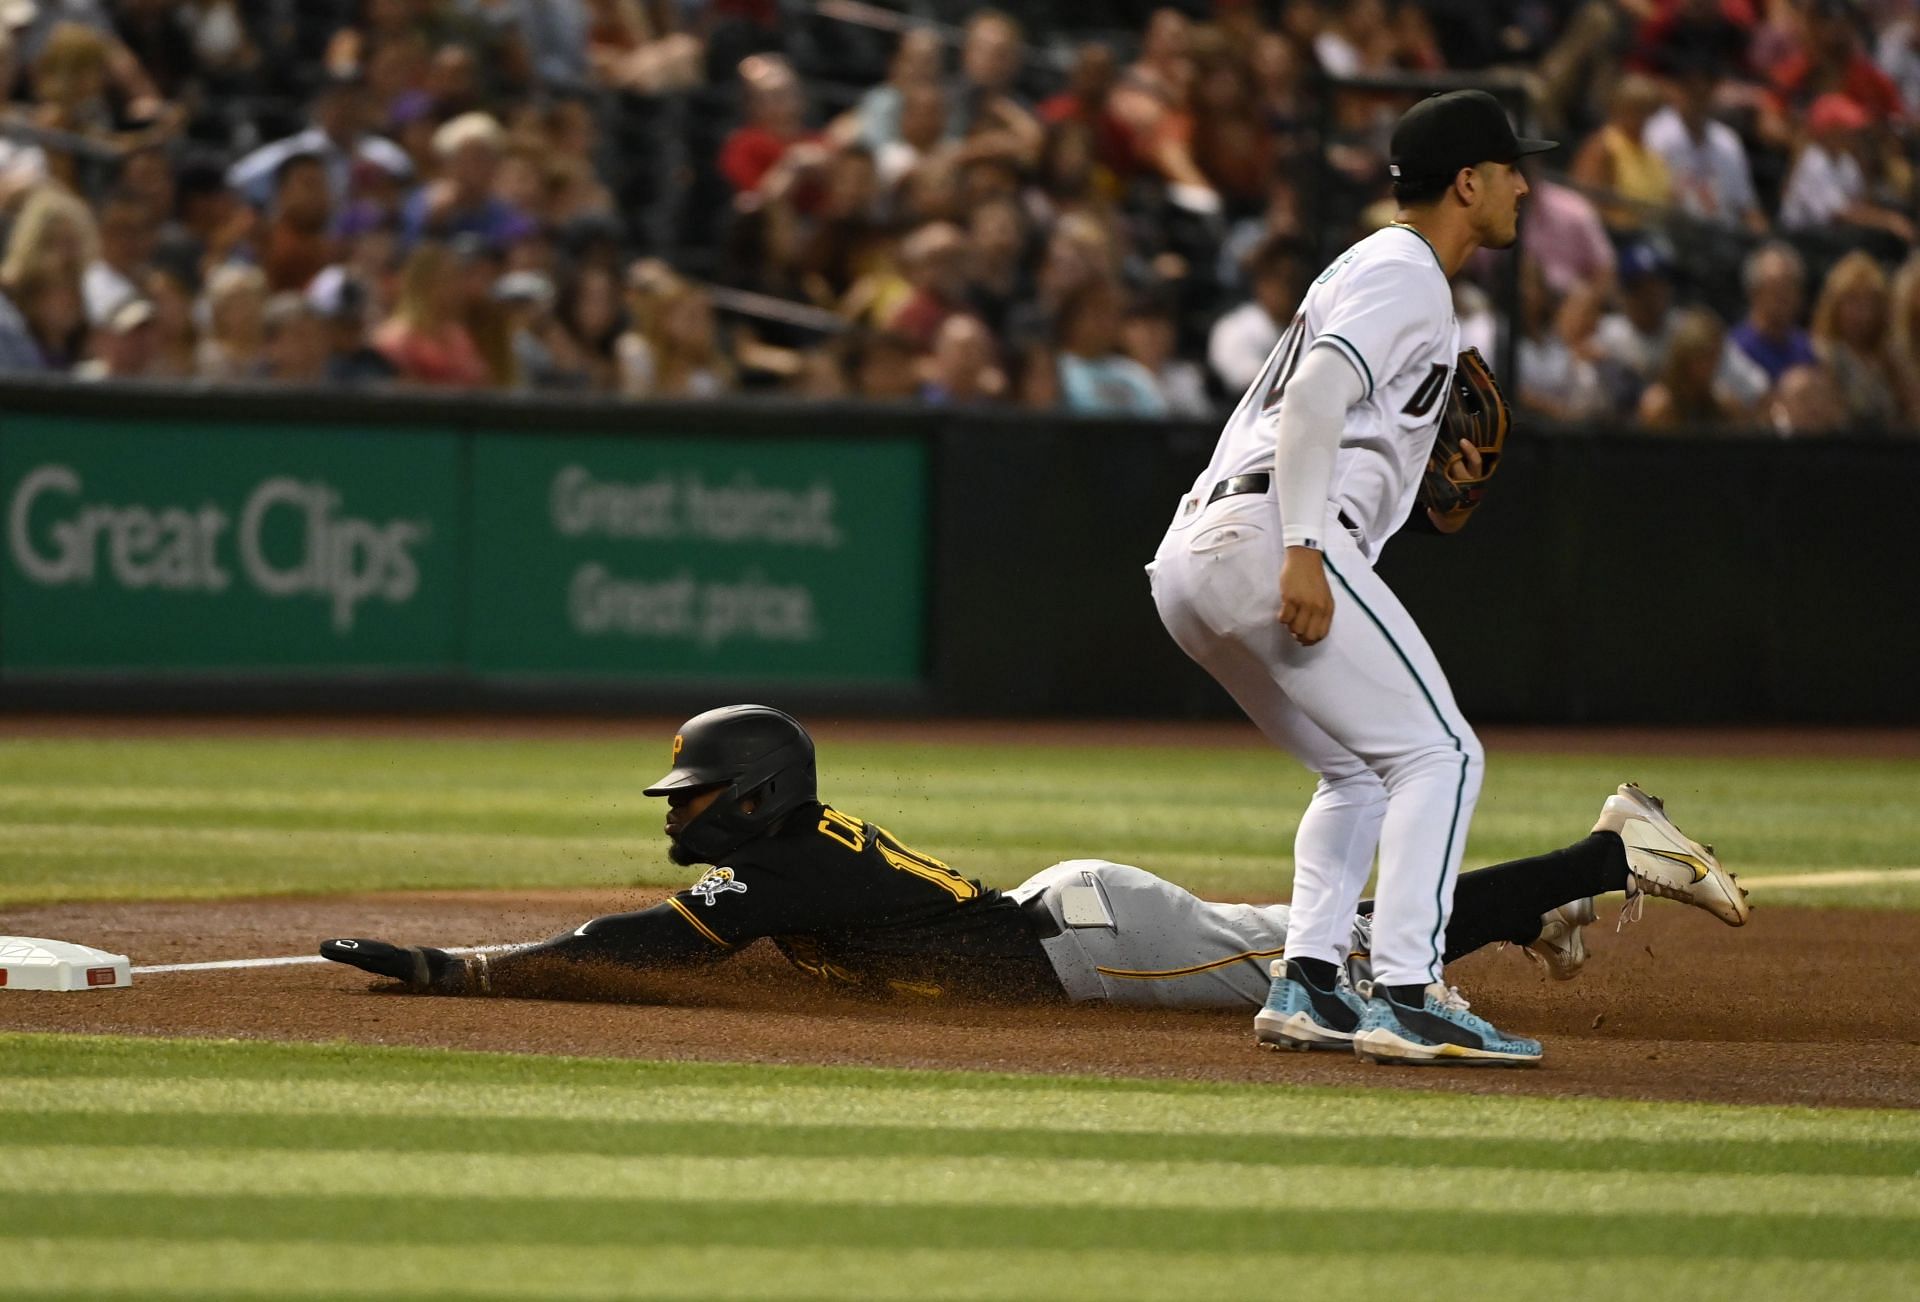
(1461, 128)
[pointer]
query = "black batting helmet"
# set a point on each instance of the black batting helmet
(752, 750)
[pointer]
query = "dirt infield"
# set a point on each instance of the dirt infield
(1801, 1006)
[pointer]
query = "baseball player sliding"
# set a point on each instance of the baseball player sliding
(853, 905)
(1265, 578)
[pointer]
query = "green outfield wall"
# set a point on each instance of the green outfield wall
(175, 549)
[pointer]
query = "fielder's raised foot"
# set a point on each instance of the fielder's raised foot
(1300, 1015)
(1439, 1032)
(415, 966)
(1662, 860)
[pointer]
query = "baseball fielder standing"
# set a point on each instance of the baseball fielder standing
(1318, 466)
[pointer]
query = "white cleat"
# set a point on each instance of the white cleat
(1561, 947)
(1662, 860)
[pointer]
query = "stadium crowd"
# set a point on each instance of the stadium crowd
(1098, 207)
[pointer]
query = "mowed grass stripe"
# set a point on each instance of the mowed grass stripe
(431, 1216)
(640, 1265)
(782, 1097)
(430, 1135)
(912, 1179)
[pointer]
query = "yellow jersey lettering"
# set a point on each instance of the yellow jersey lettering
(924, 866)
(836, 826)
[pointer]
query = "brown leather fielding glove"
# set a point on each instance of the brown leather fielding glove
(1476, 413)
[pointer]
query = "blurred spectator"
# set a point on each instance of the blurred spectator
(212, 223)
(1706, 159)
(1807, 402)
(1903, 338)
(175, 340)
(1149, 334)
(882, 366)
(125, 249)
(1561, 230)
(233, 335)
(963, 369)
(22, 163)
(297, 241)
(775, 123)
(545, 356)
(1000, 280)
(1559, 376)
(992, 51)
(674, 352)
(20, 352)
(50, 301)
(1231, 145)
(1769, 342)
(1616, 160)
(1898, 54)
(1833, 60)
(1828, 183)
(922, 129)
(122, 344)
(842, 240)
(935, 259)
(1687, 394)
(1153, 105)
(1085, 101)
(338, 134)
(1095, 377)
(554, 33)
(461, 200)
(985, 108)
(352, 358)
(631, 46)
(1241, 339)
(425, 339)
(1631, 344)
(1712, 33)
(86, 84)
(875, 122)
(590, 313)
(1850, 336)
(298, 348)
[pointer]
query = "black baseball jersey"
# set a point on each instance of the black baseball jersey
(845, 900)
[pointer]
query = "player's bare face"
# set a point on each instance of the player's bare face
(1503, 188)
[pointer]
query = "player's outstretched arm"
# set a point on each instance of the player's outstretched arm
(591, 960)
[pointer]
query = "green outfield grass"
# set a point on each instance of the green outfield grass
(169, 817)
(180, 1169)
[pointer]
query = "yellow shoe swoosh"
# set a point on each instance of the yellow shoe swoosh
(1691, 861)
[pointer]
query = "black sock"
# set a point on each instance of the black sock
(1505, 902)
(1411, 996)
(1318, 972)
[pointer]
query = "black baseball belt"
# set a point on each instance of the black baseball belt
(1255, 483)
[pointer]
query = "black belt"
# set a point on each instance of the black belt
(1237, 485)
(1040, 917)
(1255, 483)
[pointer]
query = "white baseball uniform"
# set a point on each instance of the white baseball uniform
(1367, 708)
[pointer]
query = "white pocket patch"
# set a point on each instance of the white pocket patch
(1084, 906)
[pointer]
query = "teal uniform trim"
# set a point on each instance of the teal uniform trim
(1459, 791)
(1415, 232)
(1366, 371)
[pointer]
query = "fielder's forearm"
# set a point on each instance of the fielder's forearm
(1312, 417)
